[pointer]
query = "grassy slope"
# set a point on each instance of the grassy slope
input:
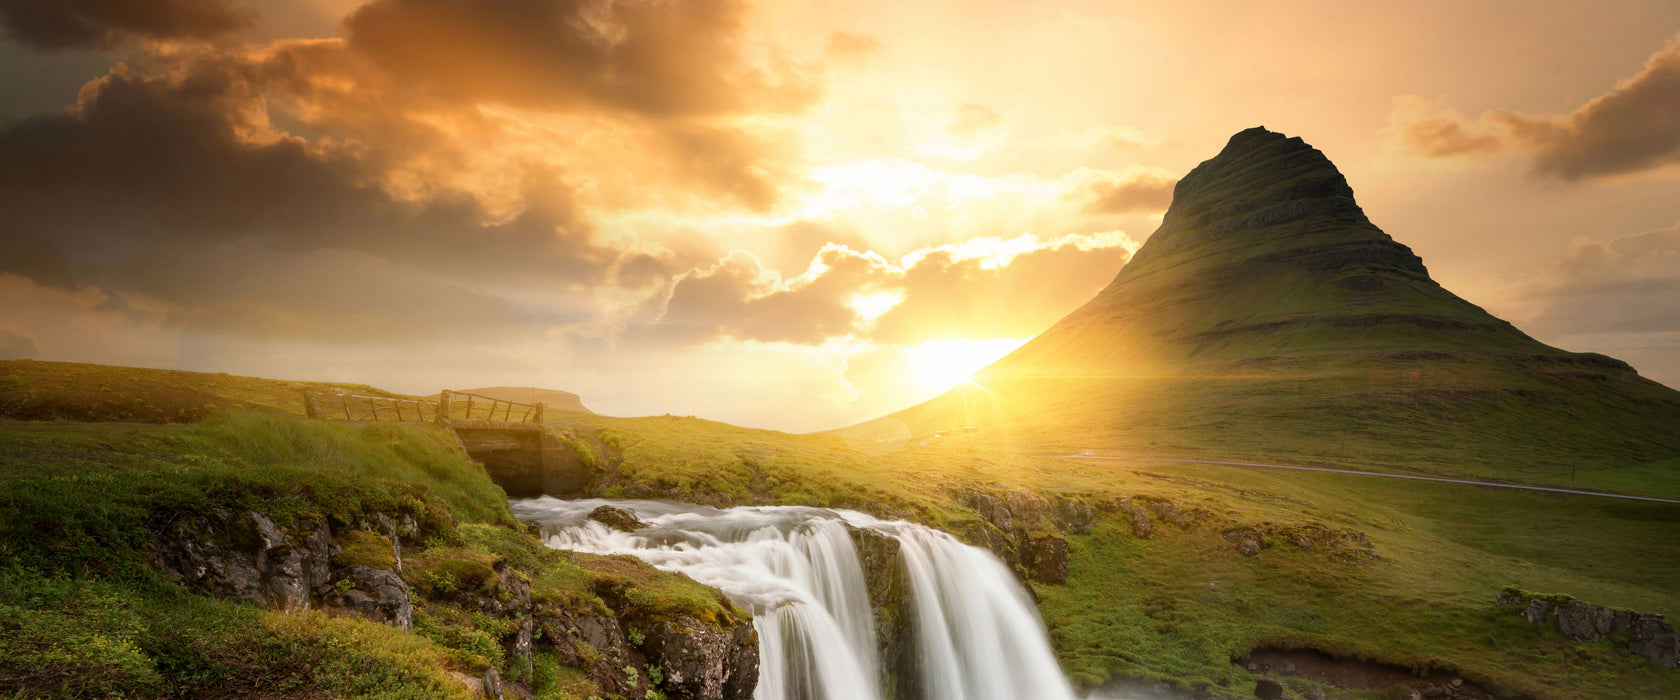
(1306, 336)
(1135, 607)
(83, 614)
(1144, 607)
(35, 390)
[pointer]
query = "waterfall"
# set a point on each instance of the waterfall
(797, 570)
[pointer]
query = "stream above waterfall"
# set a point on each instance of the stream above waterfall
(972, 632)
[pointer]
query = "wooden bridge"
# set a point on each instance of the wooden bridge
(507, 437)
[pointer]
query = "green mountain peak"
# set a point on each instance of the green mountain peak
(1269, 318)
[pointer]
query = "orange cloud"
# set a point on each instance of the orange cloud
(1633, 128)
(656, 59)
(1426, 130)
(1135, 190)
(982, 288)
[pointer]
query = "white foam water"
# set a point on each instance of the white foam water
(797, 570)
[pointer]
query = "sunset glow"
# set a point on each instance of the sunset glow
(427, 194)
(942, 364)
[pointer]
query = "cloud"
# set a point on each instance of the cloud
(75, 24)
(1134, 190)
(16, 346)
(175, 192)
(982, 288)
(1634, 128)
(1428, 130)
(646, 57)
(851, 45)
(1630, 284)
(190, 155)
(973, 119)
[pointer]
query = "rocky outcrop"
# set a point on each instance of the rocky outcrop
(1026, 531)
(375, 594)
(890, 607)
(303, 564)
(247, 556)
(244, 555)
(620, 519)
(703, 661)
(1649, 635)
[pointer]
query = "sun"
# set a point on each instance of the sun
(937, 365)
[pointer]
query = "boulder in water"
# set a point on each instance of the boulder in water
(621, 519)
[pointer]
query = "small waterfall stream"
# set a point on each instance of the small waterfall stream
(798, 571)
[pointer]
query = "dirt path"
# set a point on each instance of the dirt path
(1359, 472)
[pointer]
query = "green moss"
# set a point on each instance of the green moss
(64, 637)
(445, 572)
(363, 548)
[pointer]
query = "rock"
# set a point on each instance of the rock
(1141, 525)
(1249, 547)
(1026, 510)
(246, 556)
(889, 606)
(620, 519)
(1073, 516)
(1302, 542)
(493, 684)
(1653, 638)
(1268, 689)
(1289, 668)
(1046, 559)
(1315, 694)
(1584, 622)
(1458, 682)
(1649, 635)
(703, 661)
(379, 595)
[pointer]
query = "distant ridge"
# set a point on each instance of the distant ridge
(1268, 316)
(557, 400)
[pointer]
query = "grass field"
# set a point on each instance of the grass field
(1178, 605)
(83, 612)
(1181, 604)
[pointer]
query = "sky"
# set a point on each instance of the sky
(795, 215)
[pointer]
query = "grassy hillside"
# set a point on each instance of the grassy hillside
(85, 613)
(36, 390)
(1176, 605)
(1181, 603)
(1269, 319)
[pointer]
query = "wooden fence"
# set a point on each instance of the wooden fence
(457, 405)
(450, 406)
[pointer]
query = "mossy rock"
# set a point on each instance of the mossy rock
(363, 548)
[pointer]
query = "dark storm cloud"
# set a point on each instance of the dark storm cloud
(142, 159)
(27, 256)
(70, 24)
(175, 187)
(649, 57)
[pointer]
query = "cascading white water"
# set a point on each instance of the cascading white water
(797, 570)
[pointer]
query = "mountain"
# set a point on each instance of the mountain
(557, 400)
(1269, 317)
